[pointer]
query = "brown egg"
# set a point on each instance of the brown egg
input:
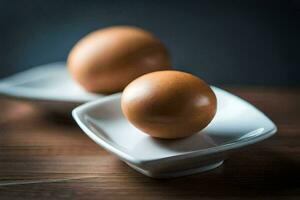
(108, 59)
(169, 104)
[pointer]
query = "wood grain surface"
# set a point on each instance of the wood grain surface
(43, 156)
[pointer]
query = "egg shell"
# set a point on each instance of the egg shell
(106, 60)
(169, 104)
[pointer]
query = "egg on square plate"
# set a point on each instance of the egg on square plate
(169, 104)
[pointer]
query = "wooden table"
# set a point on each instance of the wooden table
(46, 157)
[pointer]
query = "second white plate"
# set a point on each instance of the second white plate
(49, 84)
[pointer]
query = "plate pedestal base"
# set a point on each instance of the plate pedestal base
(175, 174)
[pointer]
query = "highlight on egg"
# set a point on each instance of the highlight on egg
(169, 104)
(106, 60)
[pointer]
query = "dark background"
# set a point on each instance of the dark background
(224, 42)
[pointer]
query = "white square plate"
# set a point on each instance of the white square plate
(236, 124)
(51, 84)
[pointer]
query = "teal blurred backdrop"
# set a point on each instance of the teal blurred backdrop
(224, 42)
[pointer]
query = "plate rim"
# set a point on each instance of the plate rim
(78, 113)
(9, 88)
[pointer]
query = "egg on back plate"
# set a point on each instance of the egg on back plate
(106, 60)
